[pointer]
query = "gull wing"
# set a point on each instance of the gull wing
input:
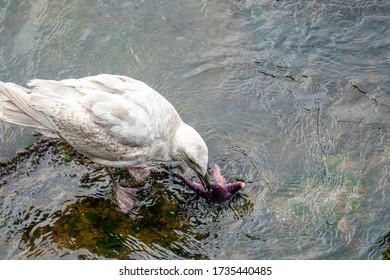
(88, 107)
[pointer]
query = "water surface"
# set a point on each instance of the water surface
(290, 96)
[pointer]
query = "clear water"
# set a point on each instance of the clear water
(290, 96)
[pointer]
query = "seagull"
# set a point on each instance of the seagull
(115, 120)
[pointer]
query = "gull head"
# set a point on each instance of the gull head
(188, 146)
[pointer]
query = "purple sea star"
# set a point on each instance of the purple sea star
(220, 191)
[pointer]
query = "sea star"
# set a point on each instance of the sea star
(220, 191)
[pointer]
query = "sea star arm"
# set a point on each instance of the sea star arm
(216, 173)
(196, 187)
(234, 187)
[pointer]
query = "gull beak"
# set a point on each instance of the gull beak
(205, 180)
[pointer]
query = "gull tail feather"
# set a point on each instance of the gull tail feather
(14, 108)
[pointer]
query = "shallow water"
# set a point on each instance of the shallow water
(290, 97)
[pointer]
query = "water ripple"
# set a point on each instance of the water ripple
(290, 97)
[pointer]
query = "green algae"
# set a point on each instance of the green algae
(386, 253)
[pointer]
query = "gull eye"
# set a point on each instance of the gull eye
(192, 161)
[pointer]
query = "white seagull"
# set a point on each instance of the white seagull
(114, 120)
